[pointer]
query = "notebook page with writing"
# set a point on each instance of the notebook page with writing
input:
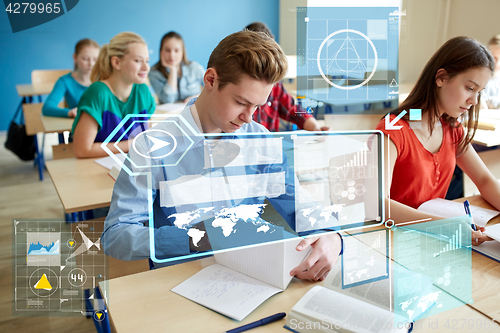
(226, 291)
(447, 208)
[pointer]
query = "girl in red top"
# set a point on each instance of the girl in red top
(423, 154)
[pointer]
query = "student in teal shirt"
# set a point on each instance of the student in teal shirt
(72, 85)
(119, 89)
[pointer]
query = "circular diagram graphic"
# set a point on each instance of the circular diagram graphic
(43, 282)
(352, 65)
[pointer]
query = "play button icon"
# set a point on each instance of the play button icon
(159, 143)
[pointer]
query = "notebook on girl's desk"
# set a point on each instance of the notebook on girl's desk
(490, 249)
(446, 208)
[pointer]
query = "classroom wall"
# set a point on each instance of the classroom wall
(288, 24)
(50, 46)
(426, 29)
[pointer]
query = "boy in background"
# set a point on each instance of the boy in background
(280, 104)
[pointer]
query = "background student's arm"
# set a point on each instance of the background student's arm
(84, 136)
(290, 111)
(162, 89)
(51, 108)
(196, 77)
(311, 124)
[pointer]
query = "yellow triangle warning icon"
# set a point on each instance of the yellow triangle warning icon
(99, 314)
(43, 283)
(71, 243)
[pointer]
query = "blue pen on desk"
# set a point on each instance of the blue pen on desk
(467, 211)
(262, 322)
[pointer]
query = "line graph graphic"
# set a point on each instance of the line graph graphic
(40, 249)
(43, 248)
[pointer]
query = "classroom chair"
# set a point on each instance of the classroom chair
(43, 76)
(63, 150)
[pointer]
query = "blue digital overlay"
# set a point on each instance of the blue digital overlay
(348, 55)
(366, 258)
(244, 189)
(437, 255)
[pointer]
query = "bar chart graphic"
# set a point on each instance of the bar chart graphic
(445, 244)
(359, 164)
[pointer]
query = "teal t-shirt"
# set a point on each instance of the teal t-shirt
(102, 105)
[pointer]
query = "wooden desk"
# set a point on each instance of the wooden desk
(28, 90)
(81, 184)
(144, 302)
(487, 138)
(491, 159)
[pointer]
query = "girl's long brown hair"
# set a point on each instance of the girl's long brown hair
(455, 56)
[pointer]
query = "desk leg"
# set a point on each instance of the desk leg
(81, 216)
(39, 159)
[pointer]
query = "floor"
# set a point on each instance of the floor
(24, 196)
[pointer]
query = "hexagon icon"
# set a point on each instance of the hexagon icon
(155, 137)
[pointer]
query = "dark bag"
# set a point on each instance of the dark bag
(18, 141)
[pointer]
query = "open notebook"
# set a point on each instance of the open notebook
(244, 278)
(446, 208)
